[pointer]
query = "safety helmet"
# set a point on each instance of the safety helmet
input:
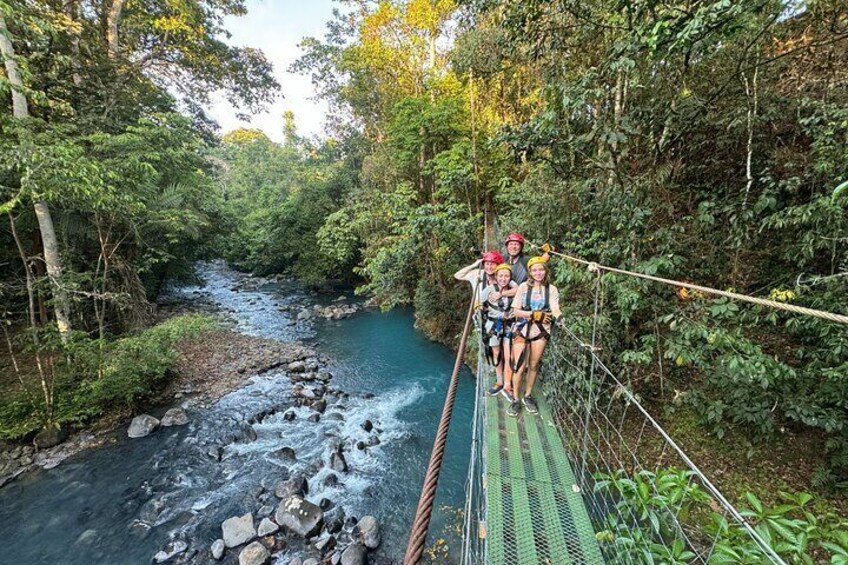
(503, 266)
(493, 257)
(535, 261)
(514, 236)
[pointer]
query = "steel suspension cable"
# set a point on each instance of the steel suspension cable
(418, 537)
(839, 318)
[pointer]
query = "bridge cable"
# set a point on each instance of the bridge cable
(415, 547)
(839, 318)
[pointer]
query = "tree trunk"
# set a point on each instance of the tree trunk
(52, 260)
(112, 19)
(19, 101)
(72, 10)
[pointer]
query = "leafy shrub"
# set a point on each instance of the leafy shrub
(92, 377)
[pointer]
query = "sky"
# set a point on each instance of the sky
(276, 27)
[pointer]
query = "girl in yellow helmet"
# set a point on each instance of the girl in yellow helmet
(495, 300)
(535, 307)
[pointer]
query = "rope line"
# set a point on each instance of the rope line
(838, 318)
(415, 547)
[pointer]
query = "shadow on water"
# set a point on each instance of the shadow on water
(123, 502)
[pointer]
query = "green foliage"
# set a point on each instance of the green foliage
(652, 510)
(93, 376)
(277, 197)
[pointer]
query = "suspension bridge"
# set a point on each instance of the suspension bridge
(593, 477)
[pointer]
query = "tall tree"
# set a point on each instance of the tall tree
(52, 258)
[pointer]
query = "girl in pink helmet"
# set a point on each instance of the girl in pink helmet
(482, 271)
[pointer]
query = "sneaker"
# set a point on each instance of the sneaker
(508, 394)
(514, 408)
(495, 390)
(531, 405)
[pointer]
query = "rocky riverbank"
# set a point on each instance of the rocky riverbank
(216, 363)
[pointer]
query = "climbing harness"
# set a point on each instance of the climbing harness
(524, 326)
(496, 322)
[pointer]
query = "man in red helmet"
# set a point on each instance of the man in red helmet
(517, 259)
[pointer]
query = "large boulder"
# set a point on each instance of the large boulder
(238, 530)
(51, 436)
(267, 527)
(354, 554)
(294, 486)
(338, 462)
(300, 516)
(142, 426)
(369, 531)
(174, 417)
(254, 554)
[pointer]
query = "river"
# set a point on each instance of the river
(123, 502)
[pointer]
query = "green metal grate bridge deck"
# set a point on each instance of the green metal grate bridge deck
(534, 510)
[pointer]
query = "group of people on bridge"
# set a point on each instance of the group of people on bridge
(518, 307)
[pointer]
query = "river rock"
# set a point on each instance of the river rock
(238, 530)
(307, 393)
(267, 527)
(218, 549)
(331, 480)
(319, 406)
(289, 415)
(373, 440)
(296, 367)
(369, 531)
(360, 445)
(367, 425)
(51, 436)
(334, 520)
(296, 561)
(172, 549)
(294, 486)
(338, 462)
(87, 537)
(254, 554)
(287, 453)
(215, 452)
(300, 516)
(314, 417)
(174, 417)
(354, 554)
(325, 504)
(142, 426)
(326, 544)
